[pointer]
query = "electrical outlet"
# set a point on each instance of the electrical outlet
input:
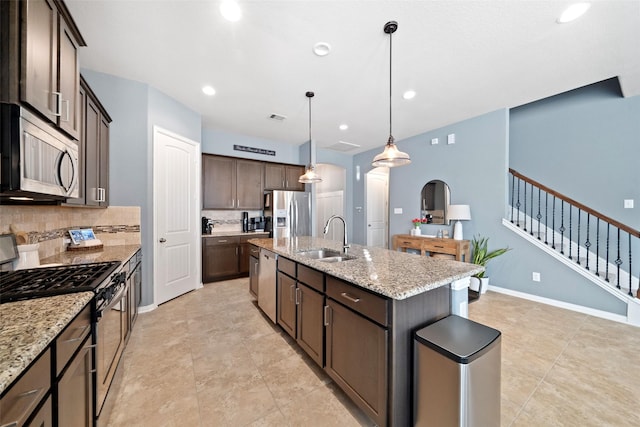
(397, 211)
(451, 138)
(535, 276)
(434, 141)
(628, 203)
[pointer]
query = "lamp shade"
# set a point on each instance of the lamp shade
(459, 212)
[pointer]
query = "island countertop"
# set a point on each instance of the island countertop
(396, 275)
(28, 327)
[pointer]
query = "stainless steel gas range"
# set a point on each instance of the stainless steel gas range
(110, 311)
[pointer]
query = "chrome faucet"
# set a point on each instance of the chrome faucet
(345, 245)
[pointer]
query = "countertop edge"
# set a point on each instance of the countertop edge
(28, 327)
(457, 270)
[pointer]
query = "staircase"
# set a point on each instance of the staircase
(592, 244)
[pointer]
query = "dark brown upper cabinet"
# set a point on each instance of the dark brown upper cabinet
(230, 183)
(283, 177)
(40, 64)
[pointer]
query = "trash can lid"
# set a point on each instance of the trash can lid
(457, 338)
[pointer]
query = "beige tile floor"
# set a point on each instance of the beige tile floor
(210, 358)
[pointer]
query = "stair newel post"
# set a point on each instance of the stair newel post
(587, 243)
(606, 265)
(513, 190)
(578, 239)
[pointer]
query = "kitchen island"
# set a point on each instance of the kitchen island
(356, 317)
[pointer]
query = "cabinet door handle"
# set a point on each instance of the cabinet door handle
(291, 290)
(350, 297)
(33, 394)
(327, 313)
(298, 296)
(222, 241)
(58, 96)
(81, 335)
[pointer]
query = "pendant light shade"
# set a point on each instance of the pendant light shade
(310, 176)
(391, 156)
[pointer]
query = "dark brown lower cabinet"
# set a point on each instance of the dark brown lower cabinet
(286, 303)
(219, 258)
(356, 359)
(310, 327)
(44, 416)
(75, 390)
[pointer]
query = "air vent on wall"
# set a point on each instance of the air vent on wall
(343, 146)
(278, 117)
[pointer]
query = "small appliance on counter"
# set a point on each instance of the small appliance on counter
(245, 222)
(207, 225)
(256, 223)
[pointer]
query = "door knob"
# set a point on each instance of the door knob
(162, 240)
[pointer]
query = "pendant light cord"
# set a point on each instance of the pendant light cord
(390, 79)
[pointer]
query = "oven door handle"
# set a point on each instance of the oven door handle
(115, 300)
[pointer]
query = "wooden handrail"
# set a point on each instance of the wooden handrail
(579, 205)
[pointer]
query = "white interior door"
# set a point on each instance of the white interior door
(176, 172)
(327, 204)
(377, 196)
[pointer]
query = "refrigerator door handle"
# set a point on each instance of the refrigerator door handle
(295, 209)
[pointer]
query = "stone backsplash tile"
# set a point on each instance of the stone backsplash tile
(48, 225)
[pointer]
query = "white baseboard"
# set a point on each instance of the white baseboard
(147, 308)
(560, 304)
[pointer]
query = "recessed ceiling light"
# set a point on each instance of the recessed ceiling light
(573, 12)
(343, 126)
(208, 90)
(321, 48)
(410, 94)
(230, 10)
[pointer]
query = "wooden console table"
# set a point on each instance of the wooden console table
(433, 245)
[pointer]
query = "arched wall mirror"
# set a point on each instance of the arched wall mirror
(434, 199)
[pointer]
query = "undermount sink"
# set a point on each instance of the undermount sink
(325, 255)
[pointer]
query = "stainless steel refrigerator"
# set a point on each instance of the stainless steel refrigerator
(290, 213)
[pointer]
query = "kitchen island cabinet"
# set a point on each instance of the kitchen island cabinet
(372, 304)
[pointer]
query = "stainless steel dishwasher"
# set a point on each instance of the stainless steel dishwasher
(267, 283)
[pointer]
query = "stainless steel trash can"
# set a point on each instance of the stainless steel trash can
(457, 374)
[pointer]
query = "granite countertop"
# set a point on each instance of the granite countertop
(28, 327)
(396, 275)
(235, 233)
(120, 253)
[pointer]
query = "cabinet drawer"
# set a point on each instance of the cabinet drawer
(254, 251)
(23, 397)
(72, 337)
(287, 266)
(227, 240)
(365, 303)
(442, 246)
(310, 277)
(409, 243)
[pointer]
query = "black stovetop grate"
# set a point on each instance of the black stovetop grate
(50, 281)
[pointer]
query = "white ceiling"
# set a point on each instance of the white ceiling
(463, 58)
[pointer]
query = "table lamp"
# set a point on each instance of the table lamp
(458, 213)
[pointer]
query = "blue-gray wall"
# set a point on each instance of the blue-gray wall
(135, 109)
(221, 143)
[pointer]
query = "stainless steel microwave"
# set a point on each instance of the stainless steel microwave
(37, 162)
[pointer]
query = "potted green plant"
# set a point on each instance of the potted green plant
(481, 256)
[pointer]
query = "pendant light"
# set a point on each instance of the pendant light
(310, 176)
(391, 156)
